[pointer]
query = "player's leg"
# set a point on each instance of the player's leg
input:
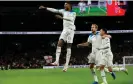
(103, 62)
(111, 72)
(58, 49)
(98, 59)
(117, 69)
(103, 75)
(70, 36)
(110, 64)
(91, 58)
(68, 55)
(93, 73)
(58, 52)
(106, 70)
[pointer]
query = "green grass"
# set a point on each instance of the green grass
(94, 11)
(56, 76)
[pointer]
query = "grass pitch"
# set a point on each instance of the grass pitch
(94, 11)
(56, 76)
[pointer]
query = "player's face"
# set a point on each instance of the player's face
(102, 32)
(67, 6)
(93, 28)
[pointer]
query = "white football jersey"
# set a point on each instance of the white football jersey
(95, 40)
(106, 45)
(71, 16)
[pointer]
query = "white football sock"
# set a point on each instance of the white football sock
(103, 77)
(94, 75)
(118, 69)
(106, 70)
(122, 69)
(58, 52)
(68, 55)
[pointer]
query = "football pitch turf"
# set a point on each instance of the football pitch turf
(56, 76)
(94, 11)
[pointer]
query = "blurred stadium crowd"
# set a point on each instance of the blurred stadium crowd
(28, 51)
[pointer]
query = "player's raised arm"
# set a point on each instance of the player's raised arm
(52, 9)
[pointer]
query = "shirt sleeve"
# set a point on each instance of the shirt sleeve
(89, 39)
(61, 11)
(98, 33)
(106, 43)
(71, 18)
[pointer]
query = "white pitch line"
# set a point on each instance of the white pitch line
(89, 9)
(102, 10)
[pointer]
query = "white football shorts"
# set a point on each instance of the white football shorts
(107, 59)
(67, 35)
(92, 56)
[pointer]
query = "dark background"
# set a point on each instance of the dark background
(25, 16)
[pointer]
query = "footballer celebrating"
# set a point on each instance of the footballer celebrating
(67, 34)
(95, 39)
(106, 55)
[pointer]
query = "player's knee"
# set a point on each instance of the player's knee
(110, 69)
(91, 66)
(60, 43)
(102, 67)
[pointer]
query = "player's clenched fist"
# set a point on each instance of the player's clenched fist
(42, 7)
(79, 45)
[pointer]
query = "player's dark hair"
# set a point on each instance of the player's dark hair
(68, 2)
(104, 29)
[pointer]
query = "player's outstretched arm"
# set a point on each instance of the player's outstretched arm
(51, 9)
(42, 7)
(83, 44)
